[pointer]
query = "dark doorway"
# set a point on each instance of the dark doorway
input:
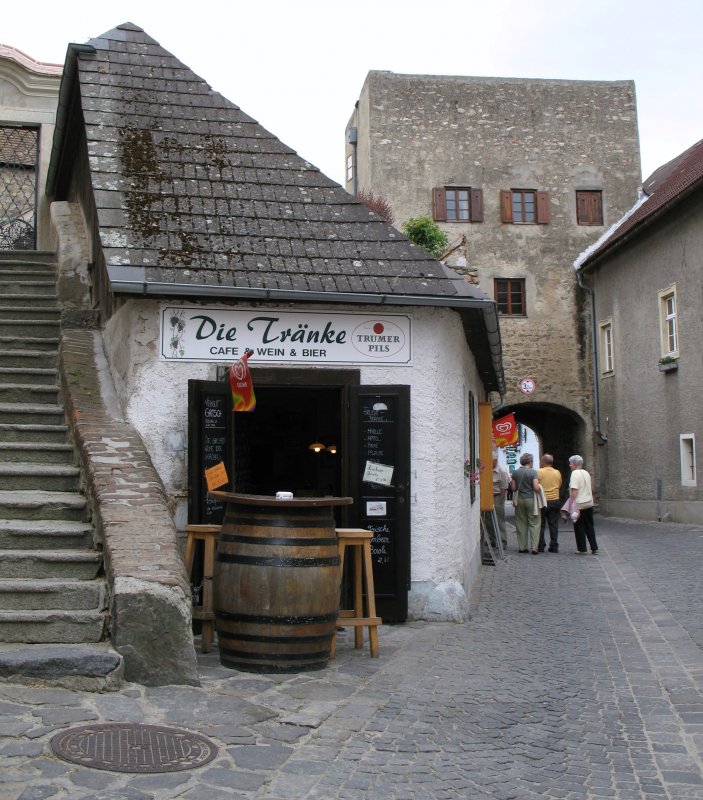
(272, 446)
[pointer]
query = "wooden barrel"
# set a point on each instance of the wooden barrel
(276, 582)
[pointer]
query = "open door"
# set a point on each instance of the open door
(380, 484)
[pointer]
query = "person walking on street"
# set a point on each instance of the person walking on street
(501, 479)
(550, 480)
(525, 484)
(582, 494)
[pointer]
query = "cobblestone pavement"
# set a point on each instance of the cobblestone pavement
(576, 677)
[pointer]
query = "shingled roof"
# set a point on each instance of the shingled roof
(195, 198)
(663, 190)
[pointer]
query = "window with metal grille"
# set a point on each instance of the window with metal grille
(18, 186)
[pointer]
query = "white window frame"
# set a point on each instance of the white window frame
(350, 167)
(607, 354)
(687, 447)
(669, 322)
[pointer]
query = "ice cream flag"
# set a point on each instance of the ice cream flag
(505, 431)
(243, 398)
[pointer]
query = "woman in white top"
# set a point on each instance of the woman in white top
(582, 494)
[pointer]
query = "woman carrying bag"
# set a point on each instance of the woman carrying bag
(525, 486)
(582, 495)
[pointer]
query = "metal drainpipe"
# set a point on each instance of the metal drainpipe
(594, 348)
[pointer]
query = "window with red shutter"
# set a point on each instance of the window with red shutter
(457, 204)
(524, 206)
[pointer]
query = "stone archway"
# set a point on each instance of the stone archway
(561, 431)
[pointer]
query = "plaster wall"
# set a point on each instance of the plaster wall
(445, 525)
(644, 410)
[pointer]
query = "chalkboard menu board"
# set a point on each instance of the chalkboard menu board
(209, 428)
(381, 496)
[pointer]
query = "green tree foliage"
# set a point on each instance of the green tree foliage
(426, 233)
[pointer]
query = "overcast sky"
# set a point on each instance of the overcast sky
(298, 67)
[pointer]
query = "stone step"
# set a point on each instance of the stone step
(25, 476)
(28, 359)
(24, 594)
(33, 342)
(35, 394)
(45, 534)
(42, 505)
(37, 376)
(33, 270)
(27, 286)
(25, 414)
(81, 667)
(56, 626)
(47, 434)
(47, 313)
(36, 302)
(82, 565)
(37, 453)
(25, 257)
(21, 328)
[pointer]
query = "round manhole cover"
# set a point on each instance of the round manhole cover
(128, 747)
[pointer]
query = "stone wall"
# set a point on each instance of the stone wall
(419, 132)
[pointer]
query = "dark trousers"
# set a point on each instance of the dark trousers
(550, 516)
(585, 529)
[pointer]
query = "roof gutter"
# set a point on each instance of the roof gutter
(62, 111)
(594, 349)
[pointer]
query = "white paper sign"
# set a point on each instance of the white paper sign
(376, 508)
(378, 473)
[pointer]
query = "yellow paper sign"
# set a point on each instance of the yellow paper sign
(216, 476)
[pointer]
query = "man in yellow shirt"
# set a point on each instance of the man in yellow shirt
(550, 480)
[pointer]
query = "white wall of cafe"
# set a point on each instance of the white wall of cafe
(445, 525)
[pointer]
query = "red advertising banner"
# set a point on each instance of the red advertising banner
(505, 431)
(243, 398)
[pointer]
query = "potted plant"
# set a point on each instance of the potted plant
(668, 363)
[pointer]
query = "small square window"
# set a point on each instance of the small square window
(589, 208)
(510, 296)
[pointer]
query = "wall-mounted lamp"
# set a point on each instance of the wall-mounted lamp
(332, 449)
(316, 446)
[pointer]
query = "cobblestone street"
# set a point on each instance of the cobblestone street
(577, 677)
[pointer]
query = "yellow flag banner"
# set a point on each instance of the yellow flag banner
(505, 431)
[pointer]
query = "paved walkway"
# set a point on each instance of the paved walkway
(577, 677)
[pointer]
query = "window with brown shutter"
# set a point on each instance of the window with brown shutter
(524, 206)
(457, 204)
(589, 207)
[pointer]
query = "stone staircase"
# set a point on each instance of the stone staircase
(51, 589)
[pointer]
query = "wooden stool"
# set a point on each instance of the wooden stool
(360, 540)
(207, 534)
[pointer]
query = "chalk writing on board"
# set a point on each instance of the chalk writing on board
(381, 474)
